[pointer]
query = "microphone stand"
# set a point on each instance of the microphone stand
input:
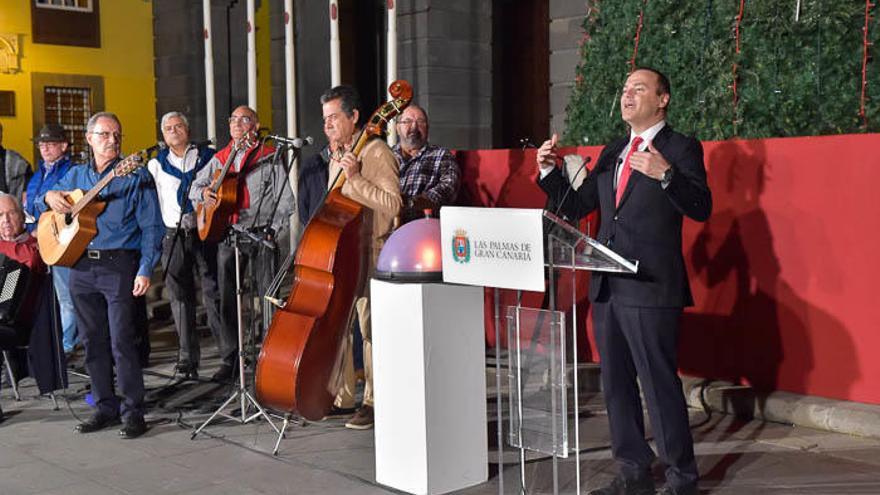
(269, 298)
(275, 285)
(242, 393)
(294, 155)
(552, 274)
(267, 189)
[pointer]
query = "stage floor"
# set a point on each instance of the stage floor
(41, 454)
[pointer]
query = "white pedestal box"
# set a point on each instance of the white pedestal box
(429, 378)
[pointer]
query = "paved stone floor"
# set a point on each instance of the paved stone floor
(41, 454)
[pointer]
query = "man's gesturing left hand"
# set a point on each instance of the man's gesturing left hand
(649, 162)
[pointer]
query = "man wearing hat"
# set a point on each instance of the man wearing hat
(14, 170)
(54, 165)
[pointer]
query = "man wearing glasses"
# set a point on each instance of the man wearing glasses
(54, 165)
(429, 175)
(260, 184)
(371, 179)
(111, 274)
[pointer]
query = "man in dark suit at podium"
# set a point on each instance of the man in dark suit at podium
(643, 185)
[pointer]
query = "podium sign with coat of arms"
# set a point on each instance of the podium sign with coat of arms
(493, 247)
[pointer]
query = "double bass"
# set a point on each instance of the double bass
(298, 357)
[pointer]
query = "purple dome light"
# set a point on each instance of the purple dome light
(412, 253)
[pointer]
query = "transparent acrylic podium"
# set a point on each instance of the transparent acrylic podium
(538, 385)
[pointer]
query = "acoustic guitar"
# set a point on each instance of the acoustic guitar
(63, 237)
(211, 221)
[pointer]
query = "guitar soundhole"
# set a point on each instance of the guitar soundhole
(68, 219)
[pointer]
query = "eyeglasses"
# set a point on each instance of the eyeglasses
(49, 144)
(244, 119)
(104, 135)
(409, 122)
(333, 117)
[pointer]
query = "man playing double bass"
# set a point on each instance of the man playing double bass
(372, 179)
(259, 184)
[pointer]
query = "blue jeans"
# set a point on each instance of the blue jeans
(61, 280)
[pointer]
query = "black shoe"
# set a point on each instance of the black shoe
(620, 486)
(224, 374)
(681, 490)
(187, 371)
(2, 417)
(97, 422)
(133, 428)
(339, 412)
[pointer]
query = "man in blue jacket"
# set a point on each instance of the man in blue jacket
(114, 270)
(54, 165)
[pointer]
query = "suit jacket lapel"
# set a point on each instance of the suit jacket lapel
(607, 180)
(659, 142)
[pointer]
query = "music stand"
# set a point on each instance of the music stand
(242, 392)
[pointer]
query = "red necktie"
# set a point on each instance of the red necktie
(627, 170)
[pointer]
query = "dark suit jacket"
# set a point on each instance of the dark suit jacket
(647, 225)
(313, 177)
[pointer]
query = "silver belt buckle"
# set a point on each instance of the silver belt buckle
(93, 254)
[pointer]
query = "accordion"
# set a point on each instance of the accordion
(17, 294)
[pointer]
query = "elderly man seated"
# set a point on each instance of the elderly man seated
(14, 241)
(17, 244)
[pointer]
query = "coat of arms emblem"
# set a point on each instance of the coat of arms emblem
(461, 247)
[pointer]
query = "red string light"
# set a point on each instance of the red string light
(632, 61)
(865, 45)
(739, 18)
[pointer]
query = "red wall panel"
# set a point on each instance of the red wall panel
(783, 271)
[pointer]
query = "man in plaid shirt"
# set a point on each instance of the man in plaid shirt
(429, 174)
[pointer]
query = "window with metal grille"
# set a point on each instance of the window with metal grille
(70, 107)
(75, 5)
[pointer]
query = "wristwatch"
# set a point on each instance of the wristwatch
(667, 177)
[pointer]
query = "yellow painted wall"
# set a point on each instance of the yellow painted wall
(264, 66)
(125, 61)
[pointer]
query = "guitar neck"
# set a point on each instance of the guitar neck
(93, 192)
(226, 166)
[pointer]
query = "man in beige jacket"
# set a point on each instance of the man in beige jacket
(371, 179)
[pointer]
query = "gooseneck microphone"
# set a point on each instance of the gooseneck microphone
(295, 142)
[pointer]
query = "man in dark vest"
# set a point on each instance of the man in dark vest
(183, 253)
